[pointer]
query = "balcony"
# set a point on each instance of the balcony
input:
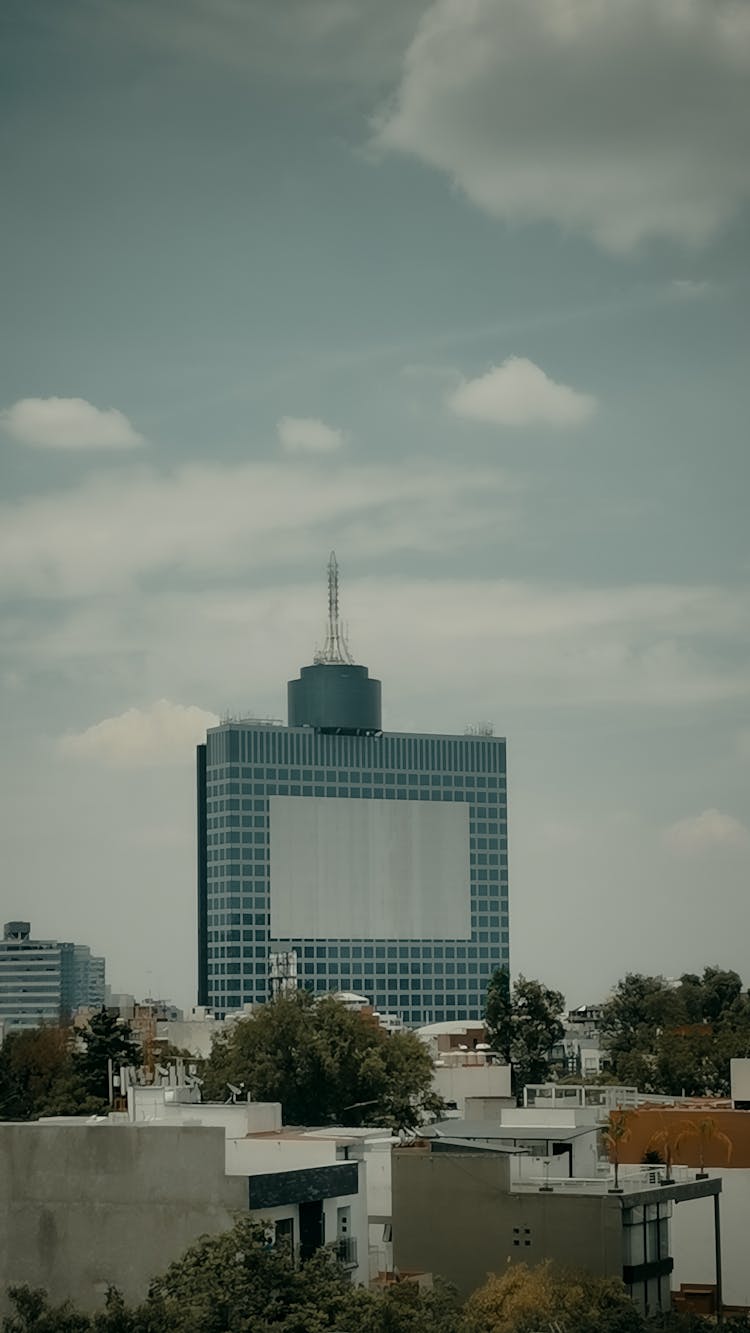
(344, 1251)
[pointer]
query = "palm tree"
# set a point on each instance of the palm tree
(706, 1132)
(617, 1133)
(667, 1142)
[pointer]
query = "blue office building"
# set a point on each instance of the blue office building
(336, 856)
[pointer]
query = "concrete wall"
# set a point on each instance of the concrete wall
(265, 1154)
(85, 1206)
(456, 1082)
(739, 1073)
(453, 1216)
(150, 1105)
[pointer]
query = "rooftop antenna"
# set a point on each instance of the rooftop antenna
(336, 648)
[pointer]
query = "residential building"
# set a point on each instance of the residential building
(44, 981)
(703, 1136)
(463, 1210)
(463, 1077)
(88, 1205)
(339, 857)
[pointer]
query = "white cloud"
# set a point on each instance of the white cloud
(518, 393)
(691, 289)
(309, 435)
(625, 121)
(532, 645)
(335, 42)
(705, 832)
(115, 528)
(68, 423)
(165, 733)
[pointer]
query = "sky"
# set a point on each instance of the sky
(459, 288)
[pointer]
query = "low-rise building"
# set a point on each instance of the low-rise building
(463, 1210)
(85, 1205)
(471, 1076)
(699, 1137)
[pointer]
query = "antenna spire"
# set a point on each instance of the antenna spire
(336, 648)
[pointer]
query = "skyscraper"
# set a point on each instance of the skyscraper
(343, 857)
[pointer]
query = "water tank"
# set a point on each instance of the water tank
(335, 696)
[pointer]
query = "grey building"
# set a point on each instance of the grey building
(457, 1213)
(42, 981)
(87, 1206)
(354, 858)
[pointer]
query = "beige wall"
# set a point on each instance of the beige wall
(454, 1217)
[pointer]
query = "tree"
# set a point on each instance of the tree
(106, 1038)
(33, 1061)
(707, 1134)
(526, 1300)
(523, 1024)
(669, 1039)
(639, 1008)
(498, 1013)
(325, 1064)
(242, 1282)
(617, 1133)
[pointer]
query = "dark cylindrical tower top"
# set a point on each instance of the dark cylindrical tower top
(334, 694)
(334, 697)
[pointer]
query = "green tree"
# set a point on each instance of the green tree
(523, 1024)
(106, 1038)
(639, 1008)
(670, 1039)
(35, 1064)
(240, 1282)
(498, 1013)
(617, 1132)
(325, 1065)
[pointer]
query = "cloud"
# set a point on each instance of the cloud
(335, 42)
(68, 423)
(165, 733)
(533, 645)
(623, 121)
(518, 393)
(210, 520)
(308, 435)
(705, 832)
(691, 289)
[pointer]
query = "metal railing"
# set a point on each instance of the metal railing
(345, 1250)
(633, 1178)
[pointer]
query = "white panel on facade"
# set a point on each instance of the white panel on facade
(359, 869)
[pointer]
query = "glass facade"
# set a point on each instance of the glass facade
(243, 765)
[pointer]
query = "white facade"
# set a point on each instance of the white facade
(739, 1074)
(693, 1237)
(459, 1075)
(339, 869)
(256, 1144)
(373, 1146)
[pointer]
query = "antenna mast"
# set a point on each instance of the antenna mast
(336, 648)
